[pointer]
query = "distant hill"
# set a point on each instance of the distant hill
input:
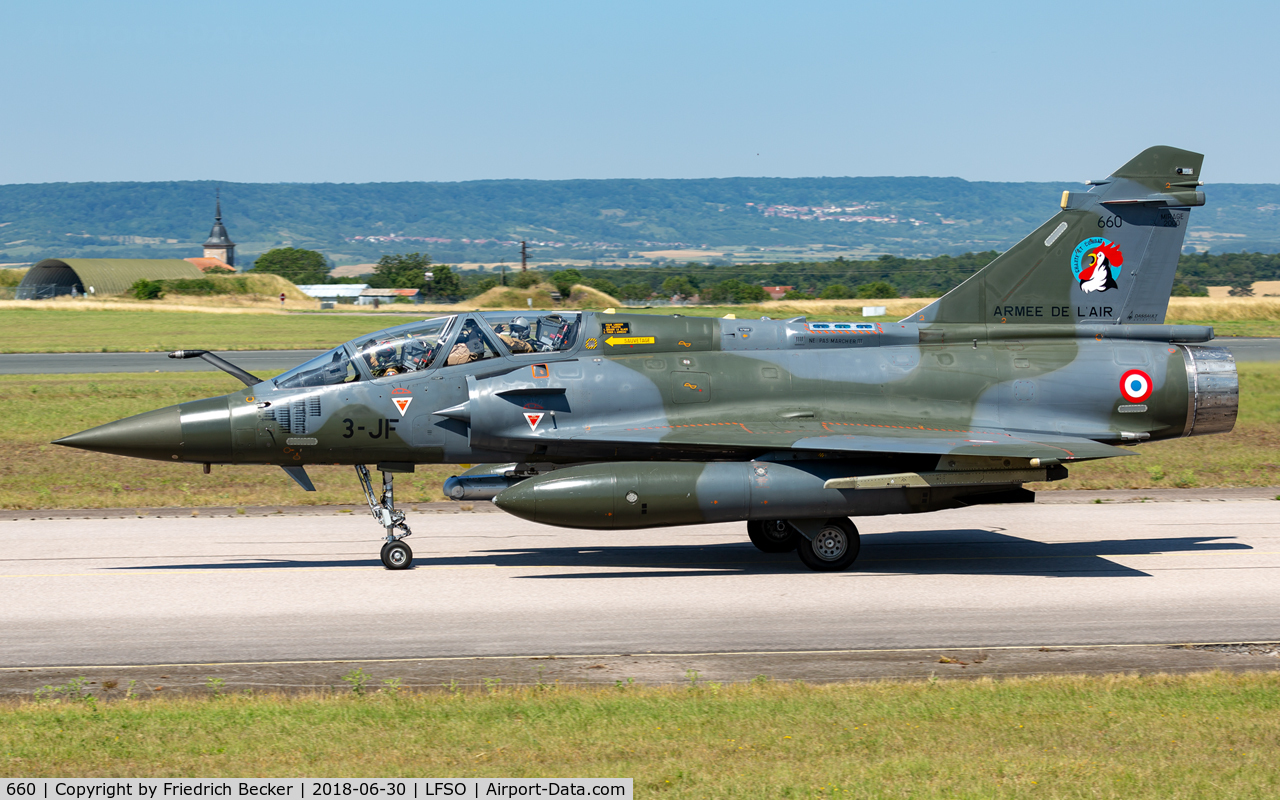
(593, 219)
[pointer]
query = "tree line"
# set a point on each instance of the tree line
(884, 277)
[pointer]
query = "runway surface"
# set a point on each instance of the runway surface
(1246, 350)
(155, 591)
(278, 360)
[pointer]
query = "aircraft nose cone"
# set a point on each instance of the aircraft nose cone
(155, 434)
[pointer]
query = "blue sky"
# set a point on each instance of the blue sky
(385, 90)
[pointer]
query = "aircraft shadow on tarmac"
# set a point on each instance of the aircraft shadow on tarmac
(937, 552)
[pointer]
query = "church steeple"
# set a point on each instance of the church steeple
(219, 244)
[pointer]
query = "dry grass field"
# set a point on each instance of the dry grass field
(1234, 316)
(263, 295)
(895, 309)
(506, 297)
(1233, 309)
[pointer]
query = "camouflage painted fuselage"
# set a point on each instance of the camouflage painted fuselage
(832, 402)
(1033, 363)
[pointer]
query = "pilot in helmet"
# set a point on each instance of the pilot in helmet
(381, 357)
(517, 337)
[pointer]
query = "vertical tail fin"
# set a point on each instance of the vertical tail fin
(1108, 256)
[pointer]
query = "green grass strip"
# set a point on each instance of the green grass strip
(1155, 736)
(52, 331)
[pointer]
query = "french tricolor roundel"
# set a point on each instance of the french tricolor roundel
(1135, 386)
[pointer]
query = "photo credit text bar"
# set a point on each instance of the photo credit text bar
(309, 788)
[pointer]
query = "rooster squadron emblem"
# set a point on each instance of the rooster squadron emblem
(1096, 263)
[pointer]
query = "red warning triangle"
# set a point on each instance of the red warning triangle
(402, 403)
(533, 418)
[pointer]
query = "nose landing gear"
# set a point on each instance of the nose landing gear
(396, 554)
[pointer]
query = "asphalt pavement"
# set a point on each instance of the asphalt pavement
(1251, 349)
(278, 360)
(287, 588)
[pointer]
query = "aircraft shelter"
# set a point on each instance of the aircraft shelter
(98, 277)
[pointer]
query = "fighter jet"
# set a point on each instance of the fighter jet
(1052, 354)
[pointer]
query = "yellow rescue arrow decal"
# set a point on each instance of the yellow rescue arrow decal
(614, 341)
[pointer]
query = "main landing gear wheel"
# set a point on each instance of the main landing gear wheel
(397, 555)
(832, 549)
(772, 535)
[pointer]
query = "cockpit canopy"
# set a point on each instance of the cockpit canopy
(434, 343)
(404, 348)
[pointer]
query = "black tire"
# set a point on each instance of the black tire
(772, 535)
(397, 555)
(833, 549)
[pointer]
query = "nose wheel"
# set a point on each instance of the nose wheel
(395, 553)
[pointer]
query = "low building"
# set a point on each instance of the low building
(777, 292)
(334, 292)
(387, 296)
(98, 277)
